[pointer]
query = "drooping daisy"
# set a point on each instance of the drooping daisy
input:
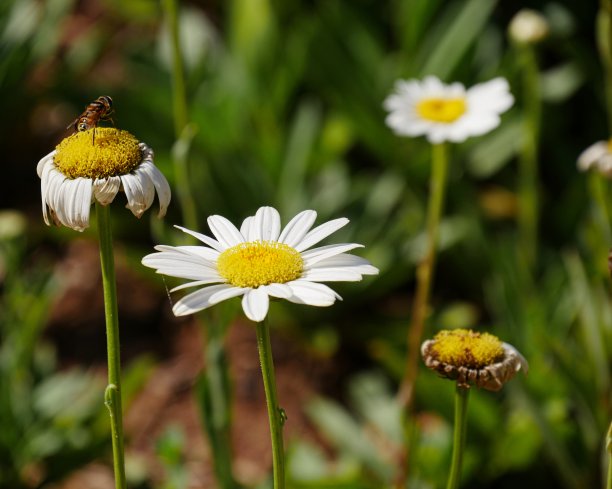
(446, 112)
(260, 261)
(469, 357)
(80, 171)
(597, 156)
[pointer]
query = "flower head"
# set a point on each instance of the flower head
(528, 27)
(80, 171)
(471, 357)
(260, 261)
(446, 112)
(598, 156)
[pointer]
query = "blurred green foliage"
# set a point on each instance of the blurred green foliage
(286, 98)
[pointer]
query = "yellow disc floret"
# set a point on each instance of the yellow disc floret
(111, 153)
(466, 348)
(444, 110)
(260, 263)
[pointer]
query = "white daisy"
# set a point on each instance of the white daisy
(260, 261)
(446, 112)
(598, 156)
(80, 171)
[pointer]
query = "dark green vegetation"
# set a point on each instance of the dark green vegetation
(285, 99)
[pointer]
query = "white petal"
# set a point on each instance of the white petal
(315, 255)
(105, 189)
(297, 228)
(225, 231)
(213, 243)
(208, 254)
(45, 161)
(592, 154)
(181, 265)
(255, 304)
(280, 291)
(265, 225)
(312, 294)
(321, 232)
(197, 283)
(201, 299)
(245, 228)
(76, 203)
(137, 193)
(161, 186)
(332, 275)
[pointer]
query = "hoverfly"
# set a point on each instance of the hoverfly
(99, 110)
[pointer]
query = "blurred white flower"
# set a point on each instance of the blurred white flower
(446, 112)
(80, 171)
(598, 156)
(260, 261)
(528, 27)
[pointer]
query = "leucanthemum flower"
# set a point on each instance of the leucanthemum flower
(597, 156)
(260, 261)
(446, 112)
(80, 171)
(469, 357)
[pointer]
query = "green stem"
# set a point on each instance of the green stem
(609, 451)
(112, 394)
(425, 270)
(460, 429)
(604, 42)
(181, 120)
(275, 413)
(528, 159)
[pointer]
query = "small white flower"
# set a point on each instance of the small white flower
(598, 156)
(446, 112)
(80, 171)
(528, 27)
(260, 261)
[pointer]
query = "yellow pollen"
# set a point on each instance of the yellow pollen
(112, 153)
(610, 145)
(444, 110)
(467, 348)
(260, 263)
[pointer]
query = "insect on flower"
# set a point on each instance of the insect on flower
(99, 110)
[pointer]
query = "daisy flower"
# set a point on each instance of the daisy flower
(469, 357)
(259, 261)
(78, 172)
(446, 112)
(598, 156)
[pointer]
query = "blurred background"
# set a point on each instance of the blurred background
(285, 108)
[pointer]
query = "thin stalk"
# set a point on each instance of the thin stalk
(112, 394)
(181, 120)
(275, 413)
(609, 450)
(528, 158)
(460, 429)
(424, 273)
(604, 43)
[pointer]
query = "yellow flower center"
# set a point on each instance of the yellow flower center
(610, 145)
(466, 348)
(260, 263)
(441, 109)
(111, 153)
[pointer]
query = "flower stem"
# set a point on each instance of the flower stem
(424, 273)
(460, 429)
(112, 394)
(528, 158)
(275, 413)
(182, 130)
(604, 43)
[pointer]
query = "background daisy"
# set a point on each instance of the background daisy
(446, 112)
